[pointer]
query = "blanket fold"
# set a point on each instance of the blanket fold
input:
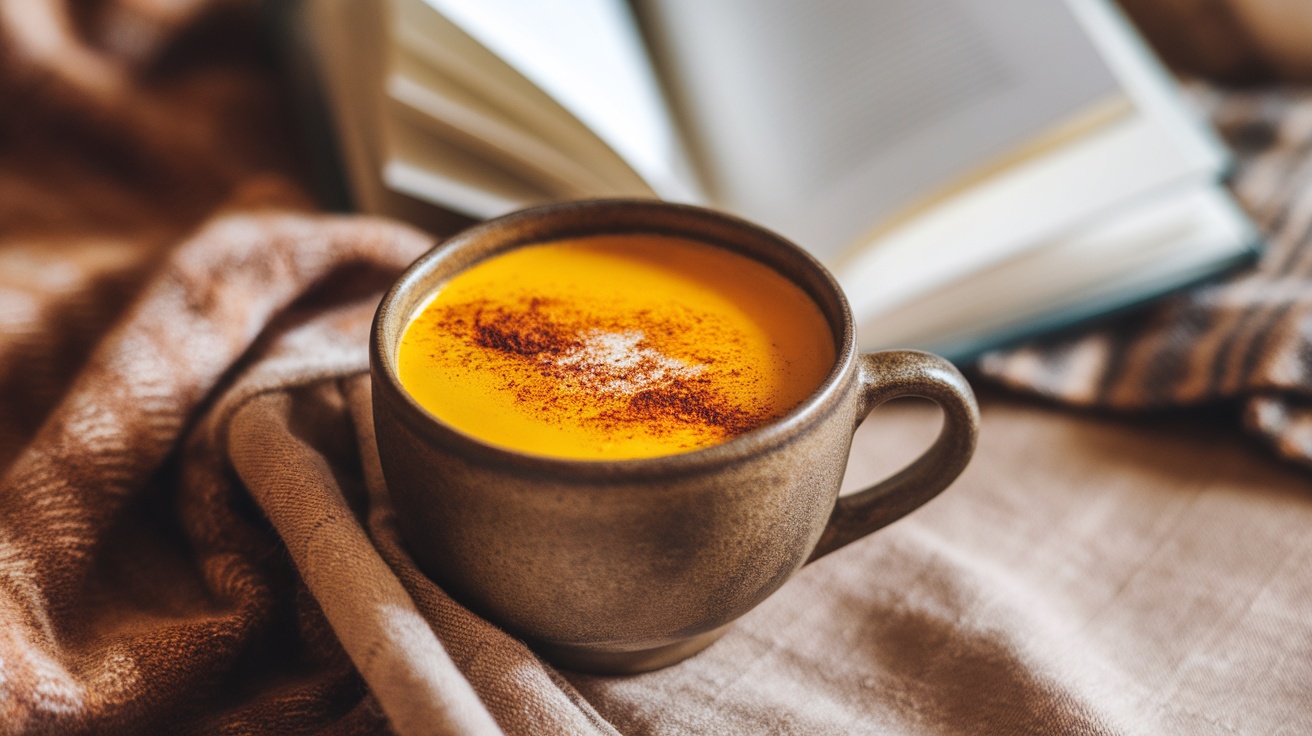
(195, 537)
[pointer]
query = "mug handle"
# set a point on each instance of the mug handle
(888, 375)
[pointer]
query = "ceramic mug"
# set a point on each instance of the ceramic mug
(630, 565)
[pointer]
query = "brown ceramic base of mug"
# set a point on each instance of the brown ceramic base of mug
(610, 662)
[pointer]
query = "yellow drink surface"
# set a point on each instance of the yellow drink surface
(612, 347)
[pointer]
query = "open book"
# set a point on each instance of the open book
(970, 170)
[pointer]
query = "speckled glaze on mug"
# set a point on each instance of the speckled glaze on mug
(629, 565)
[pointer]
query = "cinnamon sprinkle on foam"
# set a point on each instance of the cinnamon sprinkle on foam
(629, 373)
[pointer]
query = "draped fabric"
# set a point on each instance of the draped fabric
(195, 537)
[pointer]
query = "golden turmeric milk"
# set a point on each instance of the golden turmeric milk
(612, 347)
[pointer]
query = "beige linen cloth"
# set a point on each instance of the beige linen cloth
(194, 537)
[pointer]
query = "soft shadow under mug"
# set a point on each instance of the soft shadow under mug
(630, 565)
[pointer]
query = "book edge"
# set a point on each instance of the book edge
(1102, 308)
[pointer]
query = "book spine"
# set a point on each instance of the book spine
(315, 135)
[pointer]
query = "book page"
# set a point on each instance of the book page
(431, 169)
(1148, 82)
(586, 55)
(449, 54)
(1172, 238)
(1020, 209)
(821, 118)
(448, 110)
(347, 39)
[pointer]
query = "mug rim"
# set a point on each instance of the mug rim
(774, 433)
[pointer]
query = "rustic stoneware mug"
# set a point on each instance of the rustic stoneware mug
(630, 565)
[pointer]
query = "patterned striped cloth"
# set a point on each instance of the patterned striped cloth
(1246, 338)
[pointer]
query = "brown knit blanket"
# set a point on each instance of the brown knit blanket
(194, 537)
